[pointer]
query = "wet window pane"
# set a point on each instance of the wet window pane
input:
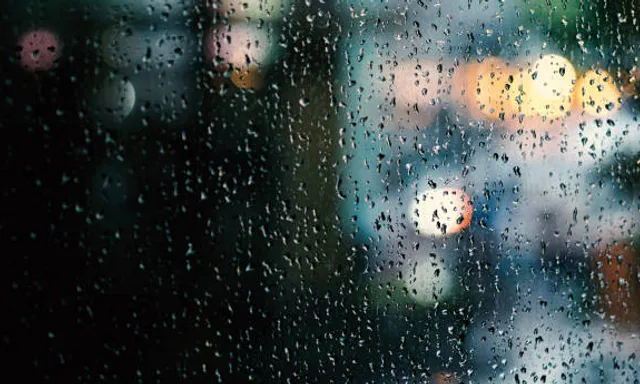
(333, 191)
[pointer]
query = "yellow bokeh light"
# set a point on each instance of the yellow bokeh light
(596, 93)
(544, 89)
(554, 77)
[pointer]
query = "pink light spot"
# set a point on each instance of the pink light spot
(39, 49)
(241, 46)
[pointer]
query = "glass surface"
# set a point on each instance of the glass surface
(332, 191)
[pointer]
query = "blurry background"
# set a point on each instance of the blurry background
(331, 191)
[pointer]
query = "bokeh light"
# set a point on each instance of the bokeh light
(553, 78)
(442, 211)
(545, 88)
(483, 88)
(596, 93)
(444, 378)
(117, 98)
(251, 77)
(419, 89)
(39, 50)
(239, 46)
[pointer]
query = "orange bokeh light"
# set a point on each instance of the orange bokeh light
(484, 89)
(248, 78)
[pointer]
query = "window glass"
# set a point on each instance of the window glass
(320, 191)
